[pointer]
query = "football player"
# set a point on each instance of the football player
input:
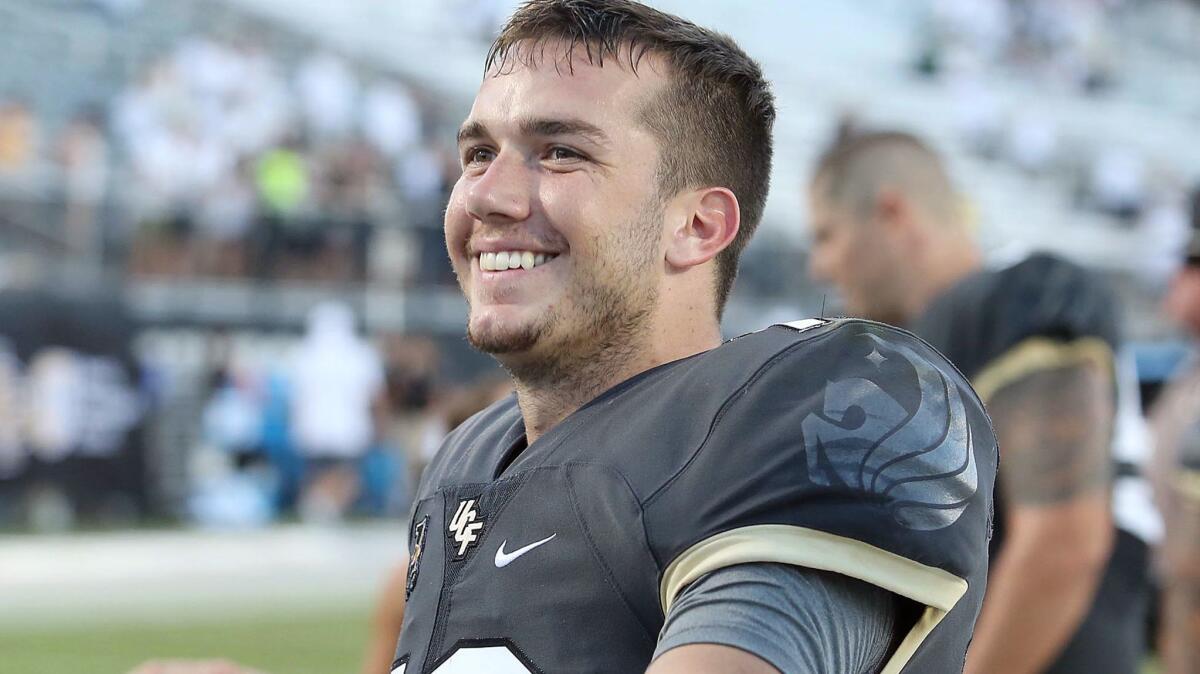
(1037, 340)
(1176, 423)
(814, 497)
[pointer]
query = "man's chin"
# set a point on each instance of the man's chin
(498, 342)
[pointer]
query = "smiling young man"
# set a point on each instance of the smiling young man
(814, 497)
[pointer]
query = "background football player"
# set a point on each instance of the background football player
(1176, 423)
(811, 497)
(1037, 339)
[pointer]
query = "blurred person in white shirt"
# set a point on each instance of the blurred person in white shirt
(391, 120)
(83, 163)
(1118, 182)
(337, 378)
(327, 91)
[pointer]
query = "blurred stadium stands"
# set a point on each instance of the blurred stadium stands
(224, 166)
(221, 167)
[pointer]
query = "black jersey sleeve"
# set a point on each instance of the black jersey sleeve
(859, 450)
(1062, 316)
(1041, 313)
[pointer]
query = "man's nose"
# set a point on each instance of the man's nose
(503, 193)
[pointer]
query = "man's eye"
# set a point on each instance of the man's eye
(478, 155)
(563, 154)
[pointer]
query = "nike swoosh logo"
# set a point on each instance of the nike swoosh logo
(503, 558)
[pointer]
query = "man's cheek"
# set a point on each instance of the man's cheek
(457, 227)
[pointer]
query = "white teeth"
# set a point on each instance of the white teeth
(513, 259)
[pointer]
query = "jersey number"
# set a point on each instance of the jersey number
(491, 659)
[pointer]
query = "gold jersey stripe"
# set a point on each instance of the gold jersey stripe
(1037, 354)
(1186, 483)
(938, 590)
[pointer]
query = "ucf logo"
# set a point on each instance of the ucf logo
(465, 526)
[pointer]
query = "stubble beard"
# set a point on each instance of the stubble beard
(497, 343)
(613, 304)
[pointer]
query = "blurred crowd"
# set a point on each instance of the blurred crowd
(217, 160)
(1060, 50)
(1060, 42)
(333, 425)
(221, 156)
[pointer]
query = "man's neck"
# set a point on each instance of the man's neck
(547, 399)
(545, 404)
(942, 272)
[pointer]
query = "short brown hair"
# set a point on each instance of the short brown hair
(853, 170)
(716, 114)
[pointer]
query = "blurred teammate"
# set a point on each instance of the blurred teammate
(813, 497)
(1037, 340)
(1176, 423)
(337, 378)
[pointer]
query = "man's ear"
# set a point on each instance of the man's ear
(894, 211)
(898, 217)
(711, 220)
(890, 205)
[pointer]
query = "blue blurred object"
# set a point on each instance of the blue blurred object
(384, 482)
(1159, 361)
(277, 442)
(232, 419)
(236, 501)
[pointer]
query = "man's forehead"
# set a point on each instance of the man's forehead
(562, 57)
(549, 87)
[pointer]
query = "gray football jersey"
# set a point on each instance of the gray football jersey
(840, 445)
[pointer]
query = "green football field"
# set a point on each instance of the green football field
(301, 642)
(289, 600)
(317, 641)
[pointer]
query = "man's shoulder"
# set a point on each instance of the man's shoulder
(811, 347)
(847, 404)
(807, 354)
(769, 402)
(1043, 284)
(1042, 297)
(775, 364)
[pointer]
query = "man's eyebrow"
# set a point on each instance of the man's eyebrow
(472, 131)
(564, 127)
(476, 130)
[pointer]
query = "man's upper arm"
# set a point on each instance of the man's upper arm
(710, 659)
(777, 617)
(1054, 427)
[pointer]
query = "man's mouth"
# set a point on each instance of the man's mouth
(513, 259)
